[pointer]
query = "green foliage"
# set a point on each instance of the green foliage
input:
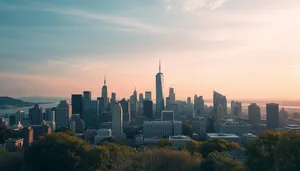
(66, 130)
(58, 151)
(165, 160)
(5, 134)
(193, 146)
(164, 142)
(217, 145)
(261, 152)
(217, 161)
(187, 129)
(288, 152)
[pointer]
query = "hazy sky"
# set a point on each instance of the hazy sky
(241, 48)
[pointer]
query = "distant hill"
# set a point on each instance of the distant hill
(8, 102)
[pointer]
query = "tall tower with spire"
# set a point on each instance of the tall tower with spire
(160, 105)
(104, 94)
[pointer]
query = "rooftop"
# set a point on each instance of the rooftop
(232, 122)
(182, 137)
(220, 135)
(250, 135)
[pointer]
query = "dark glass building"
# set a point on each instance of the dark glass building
(77, 104)
(148, 109)
(36, 115)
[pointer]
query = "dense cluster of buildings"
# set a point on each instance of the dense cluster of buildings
(103, 117)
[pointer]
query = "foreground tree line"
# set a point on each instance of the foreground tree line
(272, 151)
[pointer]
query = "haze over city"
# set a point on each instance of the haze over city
(244, 49)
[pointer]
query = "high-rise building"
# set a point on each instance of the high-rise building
(199, 126)
(27, 134)
(77, 124)
(49, 114)
(63, 114)
(198, 105)
(160, 105)
(87, 96)
(91, 115)
(189, 100)
(35, 115)
(254, 114)
(20, 115)
(172, 98)
(117, 120)
(77, 104)
(148, 109)
(141, 98)
(283, 116)
(126, 110)
(219, 106)
(236, 108)
(104, 94)
(272, 116)
(148, 96)
(167, 115)
(113, 98)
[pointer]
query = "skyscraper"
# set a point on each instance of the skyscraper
(63, 114)
(148, 109)
(117, 120)
(35, 115)
(87, 96)
(104, 94)
(198, 105)
(148, 95)
(272, 116)
(126, 110)
(254, 114)
(77, 104)
(113, 97)
(219, 106)
(236, 108)
(160, 105)
(172, 95)
(141, 97)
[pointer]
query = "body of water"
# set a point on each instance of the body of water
(26, 109)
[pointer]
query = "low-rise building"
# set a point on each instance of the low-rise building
(179, 141)
(101, 134)
(14, 145)
(230, 126)
(247, 138)
(227, 137)
(162, 128)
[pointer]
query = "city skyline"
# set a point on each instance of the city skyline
(244, 50)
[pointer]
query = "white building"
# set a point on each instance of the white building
(117, 120)
(101, 134)
(157, 128)
(199, 126)
(227, 137)
(230, 126)
(63, 113)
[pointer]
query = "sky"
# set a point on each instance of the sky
(240, 48)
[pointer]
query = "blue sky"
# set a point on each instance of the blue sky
(239, 47)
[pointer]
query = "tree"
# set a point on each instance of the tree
(187, 129)
(217, 161)
(217, 145)
(6, 133)
(192, 146)
(165, 142)
(261, 152)
(165, 160)
(66, 130)
(288, 152)
(59, 151)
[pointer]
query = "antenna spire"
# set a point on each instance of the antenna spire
(159, 66)
(105, 79)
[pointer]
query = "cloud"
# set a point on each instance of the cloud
(194, 5)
